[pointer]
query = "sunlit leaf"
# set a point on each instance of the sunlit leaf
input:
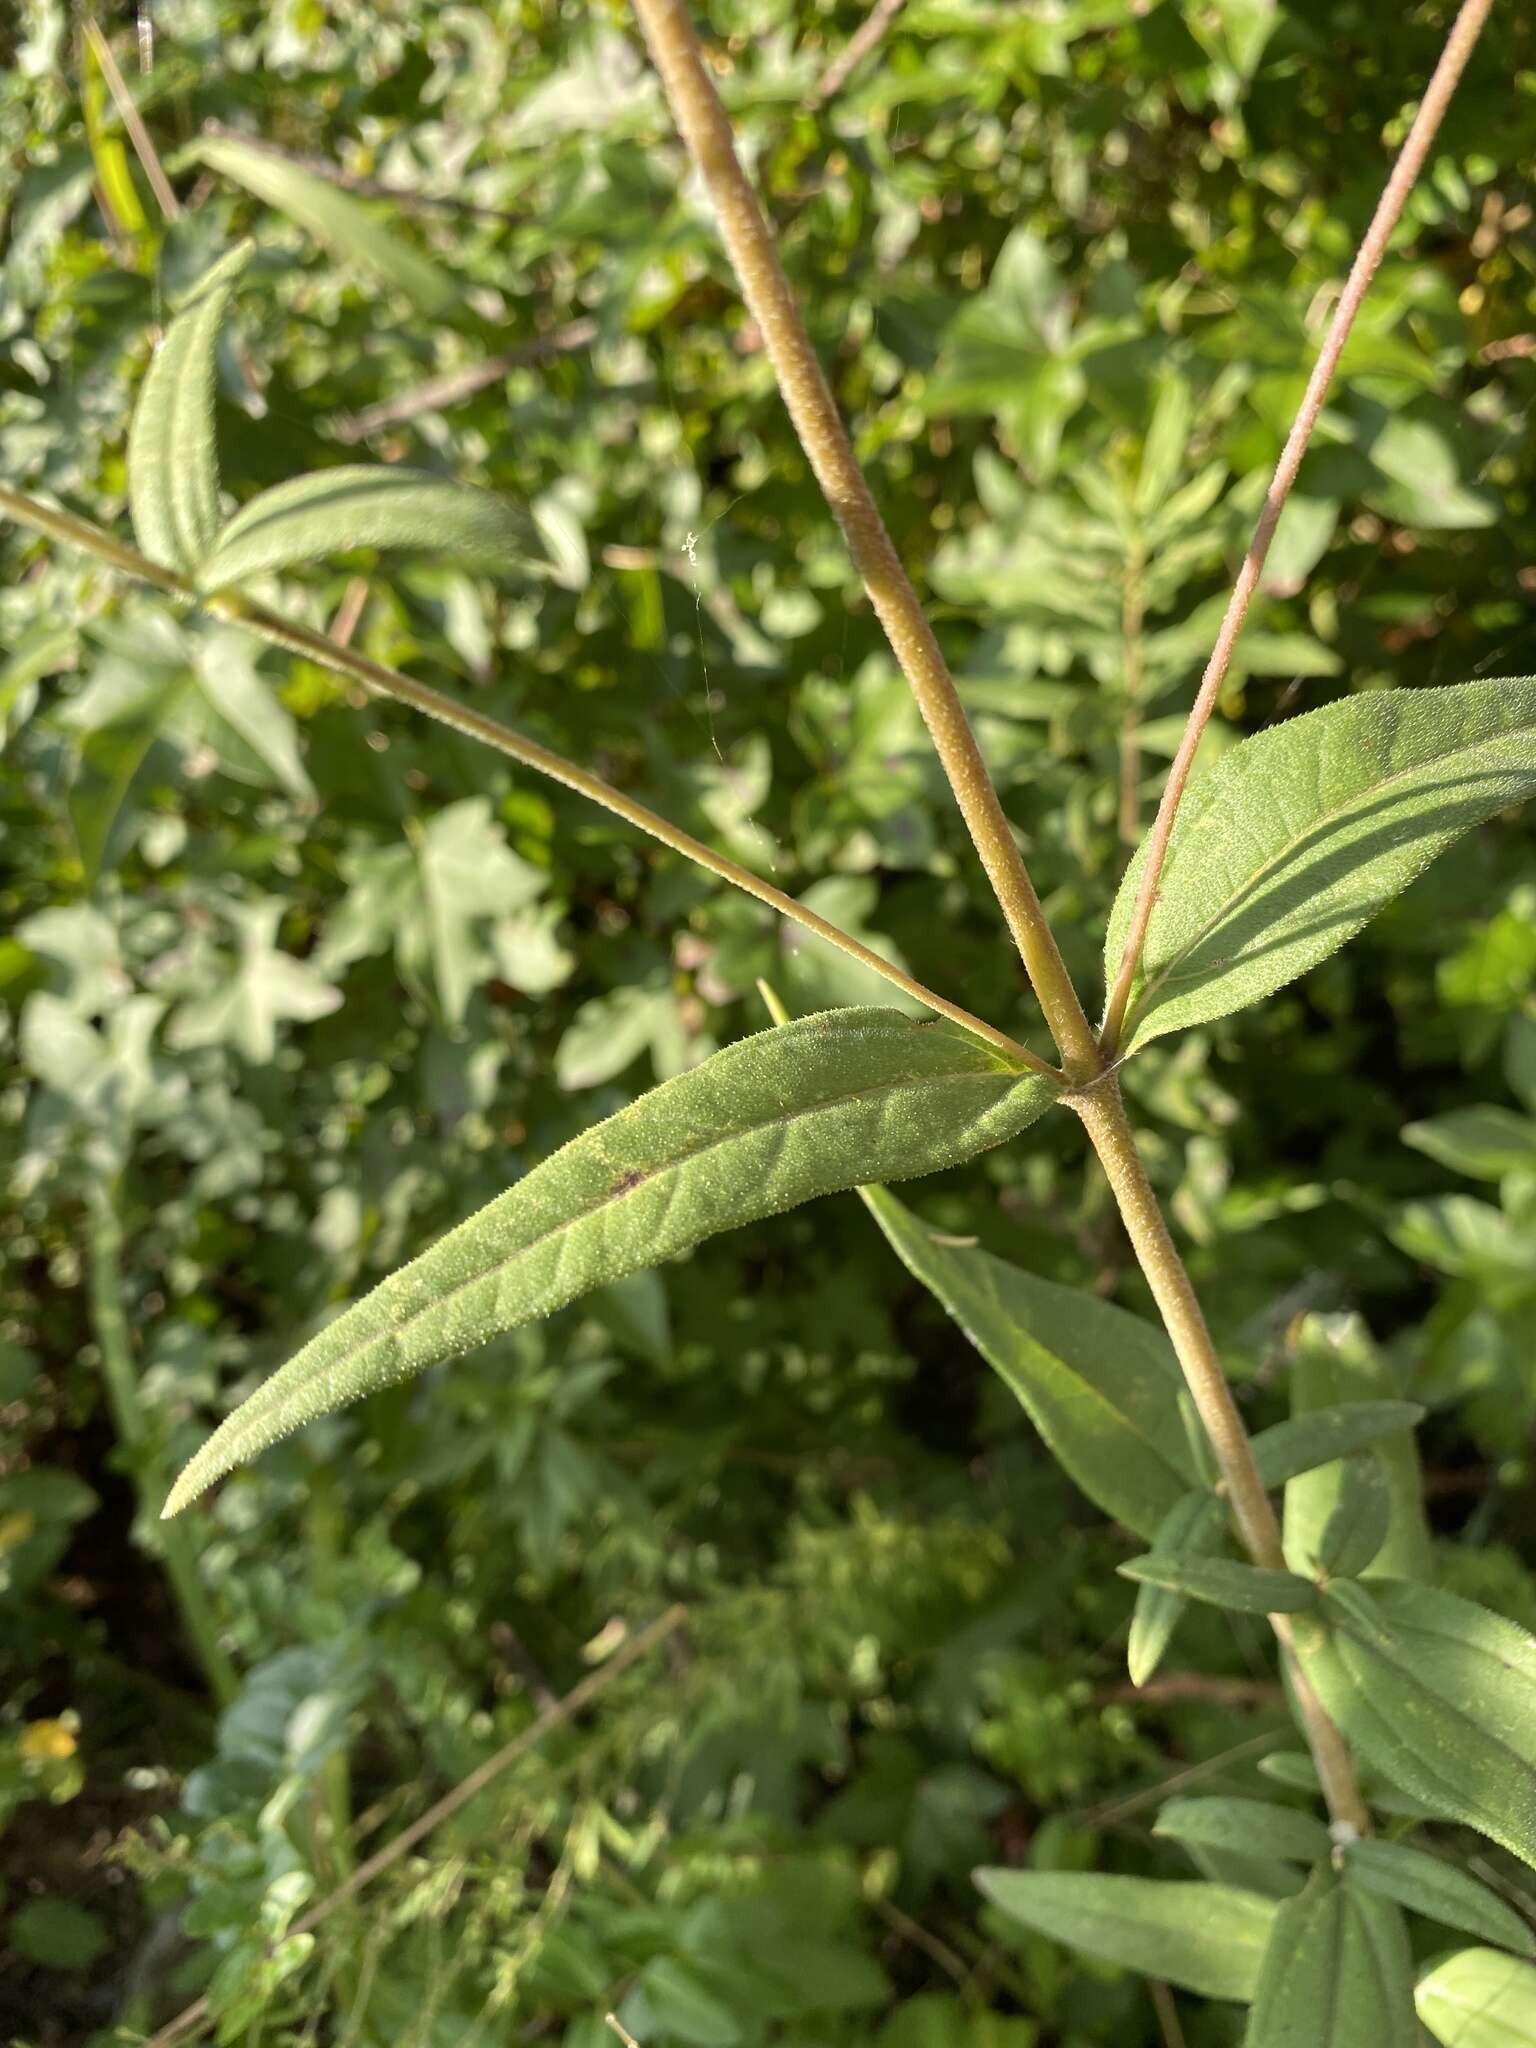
(1479, 1998)
(359, 505)
(1299, 835)
(823, 1103)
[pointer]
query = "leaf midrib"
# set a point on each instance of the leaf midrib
(1153, 985)
(676, 1162)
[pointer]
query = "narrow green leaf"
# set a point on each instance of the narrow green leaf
(1337, 1973)
(1299, 835)
(1336, 1365)
(1479, 1999)
(1206, 1938)
(1252, 1827)
(1221, 1581)
(1191, 1526)
(347, 227)
(173, 463)
(1323, 1434)
(1438, 1890)
(1101, 1386)
(1357, 1527)
(1484, 1141)
(815, 1106)
(361, 505)
(1437, 1694)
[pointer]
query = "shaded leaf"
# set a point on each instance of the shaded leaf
(1320, 1435)
(1300, 834)
(1192, 1526)
(1207, 1938)
(173, 464)
(1437, 1694)
(1484, 1141)
(1337, 1973)
(1222, 1582)
(1356, 1528)
(1252, 1827)
(1439, 1890)
(821, 1104)
(363, 505)
(1101, 1386)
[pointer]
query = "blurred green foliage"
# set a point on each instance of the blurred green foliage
(290, 982)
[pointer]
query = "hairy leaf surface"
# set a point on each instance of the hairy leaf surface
(1437, 1694)
(1439, 1890)
(363, 505)
(173, 463)
(1299, 835)
(1222, 1582)
(1207, 1938)
(1321, 1435)
(803, 1110)
(1252, 1827)
(1337, 1973)
(1101, 1386)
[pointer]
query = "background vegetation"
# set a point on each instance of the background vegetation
(289, 982)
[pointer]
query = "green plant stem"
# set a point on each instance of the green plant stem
(1459, 45)
(120, 1376)
(749, 241)
(1103, 1114)
(391, 682)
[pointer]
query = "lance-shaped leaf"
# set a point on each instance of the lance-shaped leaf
(1222, 1582)
(173, 463)
(1479, 1999)
(1357, 1526)
(1337, 1973)
(343, 223)
(363, 505)
(1101, 1386)
(1439, 1890)
(1206, 1938)
(1249, 1827)
(1336, 1373)
(1299, 835)
(1437, 1694)
(804, 1110)
(1317, 1438)
(1192, 1526)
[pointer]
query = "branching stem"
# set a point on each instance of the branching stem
(1437, 96)
(382, 681)
(749, 241)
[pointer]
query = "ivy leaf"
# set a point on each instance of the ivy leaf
(1192, 1526)
(1298, 836)
(814, 1106)
(1337, 1973)
(1206, 1938)
(1251, 1827)
(1479, 1999)
(1222, 1582)
(1321, 1435)
(1437, 1694)
(1101, 1386)
(1438, 1890)
(333, 217)
(266, 988)
(173, 463)
(364, 505)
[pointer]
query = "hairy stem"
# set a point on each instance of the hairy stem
(119, 1371)
(750, 244)
(1104, 1118)
(1437, 96)
(328, 653)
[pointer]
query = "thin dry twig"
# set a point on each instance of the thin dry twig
(454, 386)
(576, 1701)
(1437, 96)
(133, 124)
(858, 46)
(1167, 2013)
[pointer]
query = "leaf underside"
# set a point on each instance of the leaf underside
(803, 1110)
(1299, 835)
